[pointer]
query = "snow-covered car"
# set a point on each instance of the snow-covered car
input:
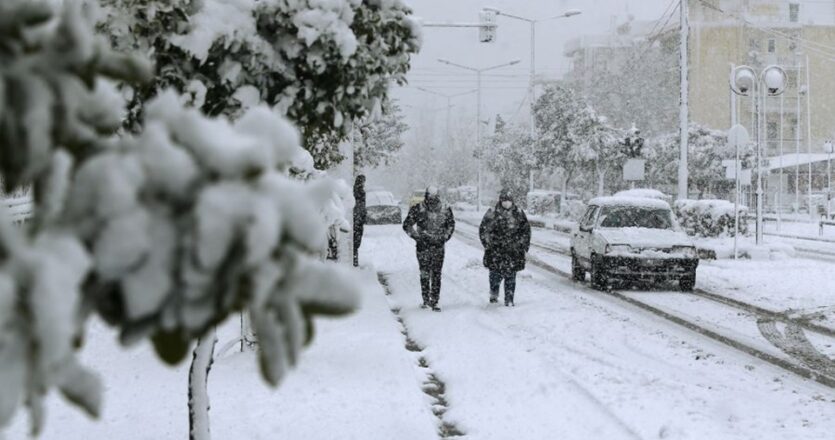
(630, 239)
(381, 208)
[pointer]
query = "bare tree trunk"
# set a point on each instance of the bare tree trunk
(198, 392)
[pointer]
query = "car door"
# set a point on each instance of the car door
(582, 236)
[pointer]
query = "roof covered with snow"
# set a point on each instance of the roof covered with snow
(639, 202)
(644, 193)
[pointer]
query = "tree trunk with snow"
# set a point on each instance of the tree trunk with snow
(198, 390)
(601, 180)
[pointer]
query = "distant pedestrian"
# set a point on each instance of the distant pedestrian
(359, 215)
(506, 236)
(431, 224)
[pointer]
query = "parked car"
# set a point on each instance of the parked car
(381, 208)
(629, 239)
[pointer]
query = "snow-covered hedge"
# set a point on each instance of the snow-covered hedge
(710, 218)
(542, 202)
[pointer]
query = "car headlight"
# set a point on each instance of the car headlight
(619, 249)
(686, 251)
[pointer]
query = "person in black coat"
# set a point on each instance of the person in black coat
(431, 224)
(360, 213)
(506, 236)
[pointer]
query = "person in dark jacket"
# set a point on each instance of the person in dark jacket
(506, 236)
(431, 224)
(359, 215)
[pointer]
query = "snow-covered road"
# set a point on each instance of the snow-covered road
(566, 364)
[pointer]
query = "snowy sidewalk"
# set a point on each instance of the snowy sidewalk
(355, 381)
(568, 364)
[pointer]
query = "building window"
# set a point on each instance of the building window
(771, 130)
(794, 12)
(771, 45)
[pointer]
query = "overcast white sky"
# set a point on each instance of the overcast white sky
(503, 92)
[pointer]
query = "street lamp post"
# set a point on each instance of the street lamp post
(532, 91)
(771, 82)
(827, 146)
(448, 104)
(478, 72)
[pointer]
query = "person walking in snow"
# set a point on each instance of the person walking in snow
(506, 236)
(360, 213)
(431, 224)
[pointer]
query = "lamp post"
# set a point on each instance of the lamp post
(771, 82)
(531, 90)
(827, 146)
(448, 104)
(478, 72)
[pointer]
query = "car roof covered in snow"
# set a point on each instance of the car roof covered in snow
(638, 202)
(643, 192)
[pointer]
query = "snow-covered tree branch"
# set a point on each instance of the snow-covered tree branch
(322, 64)
(162, 233)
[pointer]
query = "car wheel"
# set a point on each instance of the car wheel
(578, 274)
(599, 280)
(687, 283)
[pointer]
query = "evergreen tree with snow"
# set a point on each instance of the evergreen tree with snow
(378, 140)
(322, 64)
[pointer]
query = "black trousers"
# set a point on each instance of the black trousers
(509, 279)
(358, 230)
(430, 261)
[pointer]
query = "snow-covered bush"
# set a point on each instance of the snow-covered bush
(163, 233)
(541, 202)
(710, 218)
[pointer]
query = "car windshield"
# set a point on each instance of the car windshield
(381, 198)
(635, 217)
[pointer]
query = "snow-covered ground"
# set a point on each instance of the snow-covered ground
(564, 363)
(355, 381)
(569, 364)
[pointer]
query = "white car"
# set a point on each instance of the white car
(381, 208)
(631, 239)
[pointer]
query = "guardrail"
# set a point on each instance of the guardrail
(19, 208)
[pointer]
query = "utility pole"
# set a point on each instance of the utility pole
(809, 132)
(683, 116)
(478, 72)
(532, 84)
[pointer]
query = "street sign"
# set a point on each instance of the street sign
(746, 177)
(487, 30)
(634, 170)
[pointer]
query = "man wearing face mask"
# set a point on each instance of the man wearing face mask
(431, 224)
(506, 237)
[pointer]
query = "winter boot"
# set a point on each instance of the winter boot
(424, 305)
(435, 308)
(508, 301)
(494, 298)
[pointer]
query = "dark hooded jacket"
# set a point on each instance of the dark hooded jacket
(359, 199)
(506, 237)
(430, 223)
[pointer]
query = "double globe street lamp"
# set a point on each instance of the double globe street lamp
(772, 81)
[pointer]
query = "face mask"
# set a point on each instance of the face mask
(507, 204)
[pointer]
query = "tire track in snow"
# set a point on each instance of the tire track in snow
(808, 368)
(432, 385)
